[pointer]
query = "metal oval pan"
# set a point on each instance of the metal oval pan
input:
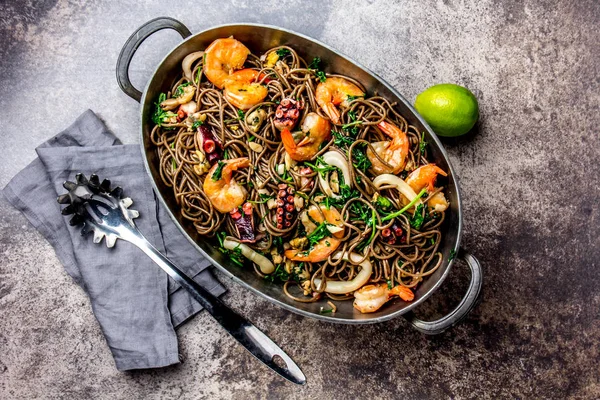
(259, 38)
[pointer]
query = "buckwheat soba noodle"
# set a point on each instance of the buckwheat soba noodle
(300, 175)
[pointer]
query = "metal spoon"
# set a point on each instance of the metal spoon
(105, 213)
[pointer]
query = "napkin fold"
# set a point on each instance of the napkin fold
(137, 305)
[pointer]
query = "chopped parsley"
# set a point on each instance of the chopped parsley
(197, 124)
(360, 160)
(373, 223)
(282, 52)
(422, 144)
(280, 274)
(409, 205)
(159, 116)
(179, 90)
(277, 242)
(218, 171)
(263, 199)
(315, 64)
(345, 195)
(235, 255)
(350, 98)
(321, 167)
(352, 115)
(340, 140)
(173, 163)
(452, 255)
(240, 114)
(320, 233)
(418, 218)
(383, 202)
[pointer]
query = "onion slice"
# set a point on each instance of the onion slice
(403, 187)
(343, 287)
(335, 159)
(265, 265)
(187, 63)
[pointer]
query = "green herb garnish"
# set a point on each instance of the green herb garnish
(197, 79)
(197, 124)
(409, 205)
(389, 283)
(159, 116)
(240, 114)
(277, 242)
(315, 64)
(344, 196)
(235, 255)
(282, 52)
(360, 160)
(321, 167)
(350, 98)
(383, 202)
(179, 90)
(326, 311)
(340, 140)
(422, 143)
(321, 76)
(373, 223)
(218, 171)
(263, 199)
(417, 219)
(320, 233)
(351, 124)
(452, 255)
(173, 163)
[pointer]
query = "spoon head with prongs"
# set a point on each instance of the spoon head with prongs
(98, 208)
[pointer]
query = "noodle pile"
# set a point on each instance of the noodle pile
(363, 206)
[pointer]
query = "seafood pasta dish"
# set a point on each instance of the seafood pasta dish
(301, 174)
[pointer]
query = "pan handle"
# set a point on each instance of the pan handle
(132, 44)
(466, 305)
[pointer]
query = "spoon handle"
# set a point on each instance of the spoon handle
(255, 341)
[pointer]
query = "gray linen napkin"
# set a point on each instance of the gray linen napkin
(136, 303)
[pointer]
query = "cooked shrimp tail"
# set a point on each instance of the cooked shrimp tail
(224, 193)
(333, 92)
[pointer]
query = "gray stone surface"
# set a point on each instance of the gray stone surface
(530, 180)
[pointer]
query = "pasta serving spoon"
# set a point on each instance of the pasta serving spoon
(106, 213)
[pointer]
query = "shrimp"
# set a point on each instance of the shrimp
(222, 58)
(315, 130)
(333, 92)
(224, 193)
(242, 90)
(326, 246)
(424, 176)
(394, 152)
(371, 298)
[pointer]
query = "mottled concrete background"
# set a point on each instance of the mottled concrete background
(530, 180)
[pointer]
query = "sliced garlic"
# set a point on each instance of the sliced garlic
(271, 204)
(298, 202)
(289, 163)
(334, 229)
(256, 147)
(280, 169)
(334, 182)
